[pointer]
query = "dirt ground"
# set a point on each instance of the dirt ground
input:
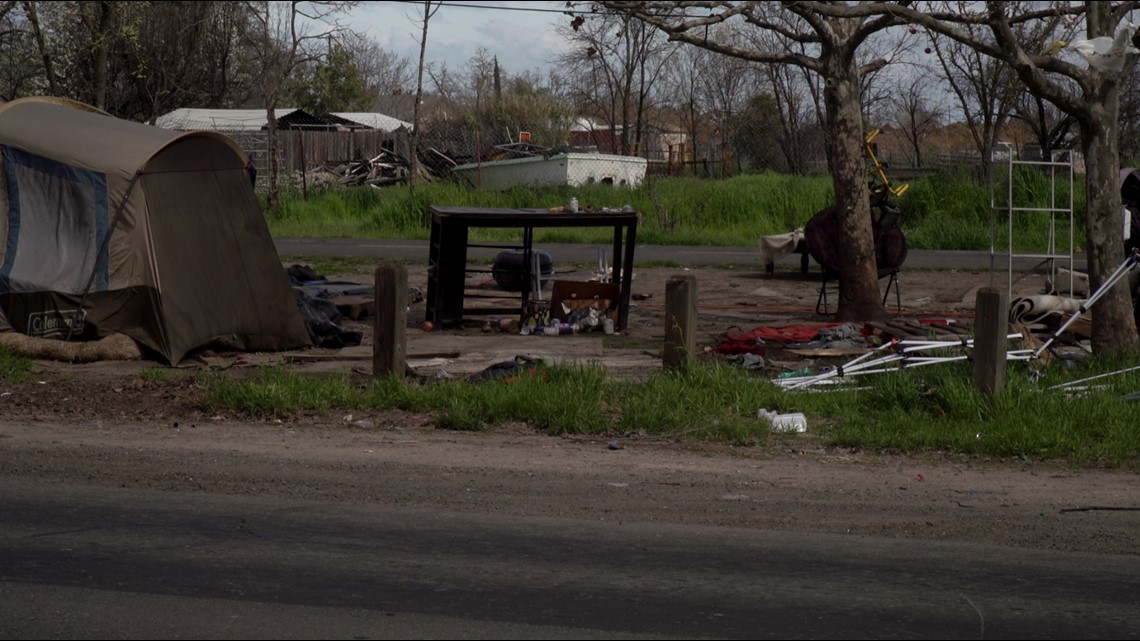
(113, 424)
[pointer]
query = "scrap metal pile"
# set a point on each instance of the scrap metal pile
(387, 168)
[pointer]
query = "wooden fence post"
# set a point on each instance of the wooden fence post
(680, 321)
(389, 348)
(991, 325)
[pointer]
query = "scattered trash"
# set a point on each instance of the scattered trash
(735, 342)
(793, 422)
(1106, 54)
(316, 298)
(1132, 262)
(1076, 384)
(614, 445)
(1031, 310)
(385, 169)
(919, 477)
(507, 370)
(753, 362)
(900, 354)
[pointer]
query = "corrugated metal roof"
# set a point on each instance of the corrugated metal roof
(256, 120)
(374, 120)
(218, 119)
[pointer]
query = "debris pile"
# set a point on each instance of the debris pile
(387, 168)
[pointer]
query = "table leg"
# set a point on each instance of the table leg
(451, 276)
(430, 313)
(528, 271)
(626, 275)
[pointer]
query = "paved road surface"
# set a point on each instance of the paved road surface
(105, 562)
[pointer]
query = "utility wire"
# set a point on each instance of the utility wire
(585, 12)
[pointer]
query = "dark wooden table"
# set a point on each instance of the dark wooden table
(447, 254)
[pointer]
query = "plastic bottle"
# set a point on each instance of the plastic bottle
(792, 422)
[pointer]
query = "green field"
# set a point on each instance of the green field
(949, 210)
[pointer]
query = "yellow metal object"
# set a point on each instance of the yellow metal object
(877, 167)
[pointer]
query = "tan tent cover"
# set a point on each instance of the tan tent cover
(118, 227)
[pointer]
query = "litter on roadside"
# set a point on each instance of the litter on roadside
(895, 355)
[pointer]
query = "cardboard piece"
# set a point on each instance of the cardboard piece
(579, 295)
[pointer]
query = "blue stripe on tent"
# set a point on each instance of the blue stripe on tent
(96, 181)
(13, 222)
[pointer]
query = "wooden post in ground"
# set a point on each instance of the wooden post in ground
(991, 325)
(680, 322)
(389, 345)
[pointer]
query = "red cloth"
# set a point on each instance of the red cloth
(745, 342)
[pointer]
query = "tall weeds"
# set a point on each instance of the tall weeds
(949, 210)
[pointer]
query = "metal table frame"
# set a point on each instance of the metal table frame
(447, 254)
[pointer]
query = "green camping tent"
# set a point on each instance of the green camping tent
(118, 227)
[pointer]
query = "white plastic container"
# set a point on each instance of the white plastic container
(792, 422)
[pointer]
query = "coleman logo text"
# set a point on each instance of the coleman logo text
(56, 322)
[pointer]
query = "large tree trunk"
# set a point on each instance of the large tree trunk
(1114, 327)
(859, 298)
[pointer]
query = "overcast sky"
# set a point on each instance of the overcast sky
(521, 34)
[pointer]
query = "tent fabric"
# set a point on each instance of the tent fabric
(111, 226)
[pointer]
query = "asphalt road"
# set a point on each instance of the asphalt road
(412, 250)
(105, 562)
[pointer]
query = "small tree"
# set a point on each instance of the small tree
(282, 36)
(429, 10)
(757, 135)
(1051, 127)
(916, 116)
(329, 85)
(616, 62)
(384, 73)
(988, 90)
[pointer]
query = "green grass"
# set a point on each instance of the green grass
(952, 211)
(940, 410)
(943, 211)
(13, 367)
(715, 402)
(276, 392)
(327, 265)
(156, 374)
(929, 409)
